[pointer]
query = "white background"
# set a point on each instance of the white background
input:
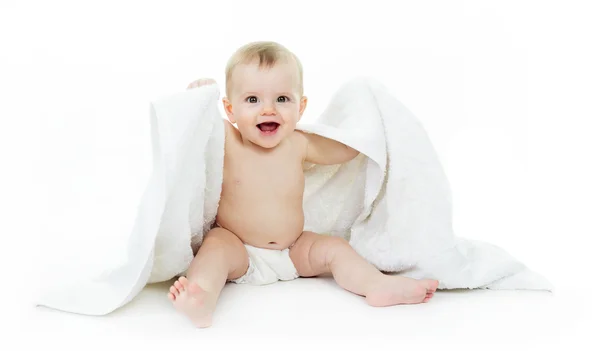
(508, 92)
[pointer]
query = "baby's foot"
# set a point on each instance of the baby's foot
(193, 301)
(395, 290)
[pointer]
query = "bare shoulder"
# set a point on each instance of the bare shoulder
(230, 131)
(300, 142)
(227, 125)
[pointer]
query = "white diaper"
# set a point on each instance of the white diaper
(267, 266)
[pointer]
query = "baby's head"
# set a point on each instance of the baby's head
(264, 92)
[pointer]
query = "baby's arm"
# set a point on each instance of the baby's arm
(324, 151)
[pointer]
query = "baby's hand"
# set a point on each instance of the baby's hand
(200, 82)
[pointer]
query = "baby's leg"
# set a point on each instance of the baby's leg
(222, 256)
(315, 254)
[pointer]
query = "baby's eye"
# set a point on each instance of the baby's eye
(252, 99)
(282, 99)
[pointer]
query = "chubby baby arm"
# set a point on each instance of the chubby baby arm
(325, 151)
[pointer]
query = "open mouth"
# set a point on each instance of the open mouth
(268, 127)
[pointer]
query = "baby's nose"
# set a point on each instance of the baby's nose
(268, 110)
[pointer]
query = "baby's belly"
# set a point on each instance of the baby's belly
(262, 225)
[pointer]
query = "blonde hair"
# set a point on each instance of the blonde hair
(268, 54)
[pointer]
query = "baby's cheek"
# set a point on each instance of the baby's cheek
(288, 110)
(244, 114)
(249, 110)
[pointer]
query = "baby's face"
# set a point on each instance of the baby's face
(265, 103)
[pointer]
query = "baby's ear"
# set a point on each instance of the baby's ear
(228, 107)
(303, 102)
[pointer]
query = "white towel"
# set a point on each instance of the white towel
(392, 202)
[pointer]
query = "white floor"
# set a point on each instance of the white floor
(313, 312)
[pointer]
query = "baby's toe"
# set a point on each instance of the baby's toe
(183, 281)
(434, 285)
(173, 290)
(429, 285)
(179, 286)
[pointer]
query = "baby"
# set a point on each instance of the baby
(258, 237)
